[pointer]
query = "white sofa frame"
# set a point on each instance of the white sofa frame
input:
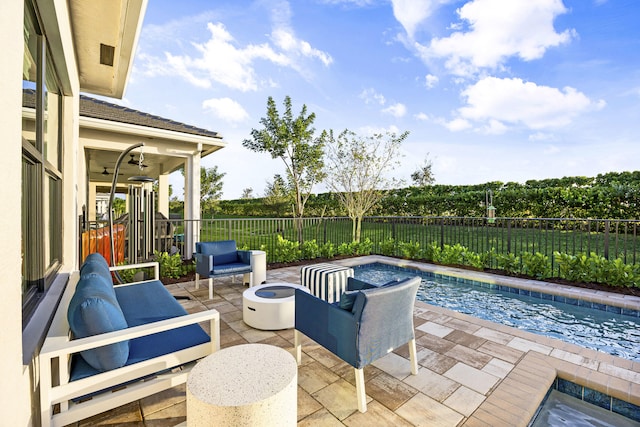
(55, 360)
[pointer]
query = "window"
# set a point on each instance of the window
(41, 168)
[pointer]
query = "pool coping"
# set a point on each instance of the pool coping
(515, 400)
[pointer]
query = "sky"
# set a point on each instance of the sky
(490, 90)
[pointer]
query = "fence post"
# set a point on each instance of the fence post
(606, 239)
(393, 228)
(442, 233)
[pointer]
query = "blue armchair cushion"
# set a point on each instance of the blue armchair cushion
(94, 310)
(223, 251)
(347, 299)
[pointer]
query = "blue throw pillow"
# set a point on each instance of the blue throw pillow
(354, 284)
(347, 299)
(94, 310)
(391, 283)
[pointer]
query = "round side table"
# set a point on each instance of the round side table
(244, 385)
(270, 306)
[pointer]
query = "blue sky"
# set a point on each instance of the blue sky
(490, 90)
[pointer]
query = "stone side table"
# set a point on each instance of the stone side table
(270, 306)
(244, 385)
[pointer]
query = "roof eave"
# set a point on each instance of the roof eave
(209, 144)
(124, 21)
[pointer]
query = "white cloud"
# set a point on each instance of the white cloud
(421, 116)
(396, 110)
(430, 80)
(284, 37)
(226, 109)
(455, 125)
(370, 96)
(542, 136)
(517, 102)
(223, 60)
(372, 130)
(497, 30)
(410, 13)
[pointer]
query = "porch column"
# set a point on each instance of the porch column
(192, 202)
(163, 195)
(91, 203)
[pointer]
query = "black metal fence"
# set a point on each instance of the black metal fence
(608, 238)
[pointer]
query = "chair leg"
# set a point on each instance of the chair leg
(197, 281)
(210, 287)
(360, 393)
(297, 344)
(412, 357)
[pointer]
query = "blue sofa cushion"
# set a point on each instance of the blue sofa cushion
(96, 264)
(142, 304)
(94, 310)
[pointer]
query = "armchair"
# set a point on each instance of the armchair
(221, 258)
(367, 323)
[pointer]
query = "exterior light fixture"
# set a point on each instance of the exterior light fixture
(114, 182)
(491, 210)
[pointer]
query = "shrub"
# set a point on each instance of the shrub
(510, 263)
(388, 247)
(536, 265)
(433, 252)
(364, 247)
(453, 254)
(286, 250)
(328, 250)
(170, 265)
(409, 250)
(310, 249)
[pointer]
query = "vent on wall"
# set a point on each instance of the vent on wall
(106, 54)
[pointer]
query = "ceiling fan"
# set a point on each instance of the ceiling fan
(133, 161)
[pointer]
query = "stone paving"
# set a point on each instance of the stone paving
(471, 372)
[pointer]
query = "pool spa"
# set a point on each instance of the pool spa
(597, 326)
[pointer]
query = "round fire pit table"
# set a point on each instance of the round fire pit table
(270, 306)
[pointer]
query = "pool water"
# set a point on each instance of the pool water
(560, 409)
(612, 333)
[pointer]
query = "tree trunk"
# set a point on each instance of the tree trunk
(353, 229)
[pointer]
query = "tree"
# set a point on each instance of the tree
(276, 195)
(423, 176)
(292, 140)
(247, 193)
(358, 170)
(210, 188)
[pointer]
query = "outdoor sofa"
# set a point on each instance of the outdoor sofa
(111, 345)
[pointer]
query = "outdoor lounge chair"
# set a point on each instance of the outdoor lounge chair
(221, 258)
(367, 323)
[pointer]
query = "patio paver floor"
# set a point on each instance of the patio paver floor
(472, 372)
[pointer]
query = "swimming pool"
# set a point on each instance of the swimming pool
(614, 333)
